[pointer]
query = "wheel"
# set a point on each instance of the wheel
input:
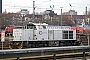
(20, 46)
(10, 46)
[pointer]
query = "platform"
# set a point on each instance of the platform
(42, 51)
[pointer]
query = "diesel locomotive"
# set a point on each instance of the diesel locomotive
(35, 35)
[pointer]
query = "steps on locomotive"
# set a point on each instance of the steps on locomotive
(84, 40)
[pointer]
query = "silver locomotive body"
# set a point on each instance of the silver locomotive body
(38, 35)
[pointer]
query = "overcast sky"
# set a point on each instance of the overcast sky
(42, 5)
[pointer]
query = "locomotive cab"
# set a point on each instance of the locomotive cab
(36, 26)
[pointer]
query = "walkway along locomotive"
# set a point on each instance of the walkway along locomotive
(34, 35)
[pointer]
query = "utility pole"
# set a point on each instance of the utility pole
(51, 14)
(86, 22)
(86, 26)
(0, 6)
(14, 21)
(61, 17)
(33, 11)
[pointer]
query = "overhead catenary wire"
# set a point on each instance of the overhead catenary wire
(39, 5)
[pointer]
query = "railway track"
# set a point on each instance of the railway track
(58, 56)
(84, 40)
(5, 43)
(77, 55)
(51, 57)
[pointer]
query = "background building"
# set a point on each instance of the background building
(0, 6)
(24, 12)
(70, 12)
